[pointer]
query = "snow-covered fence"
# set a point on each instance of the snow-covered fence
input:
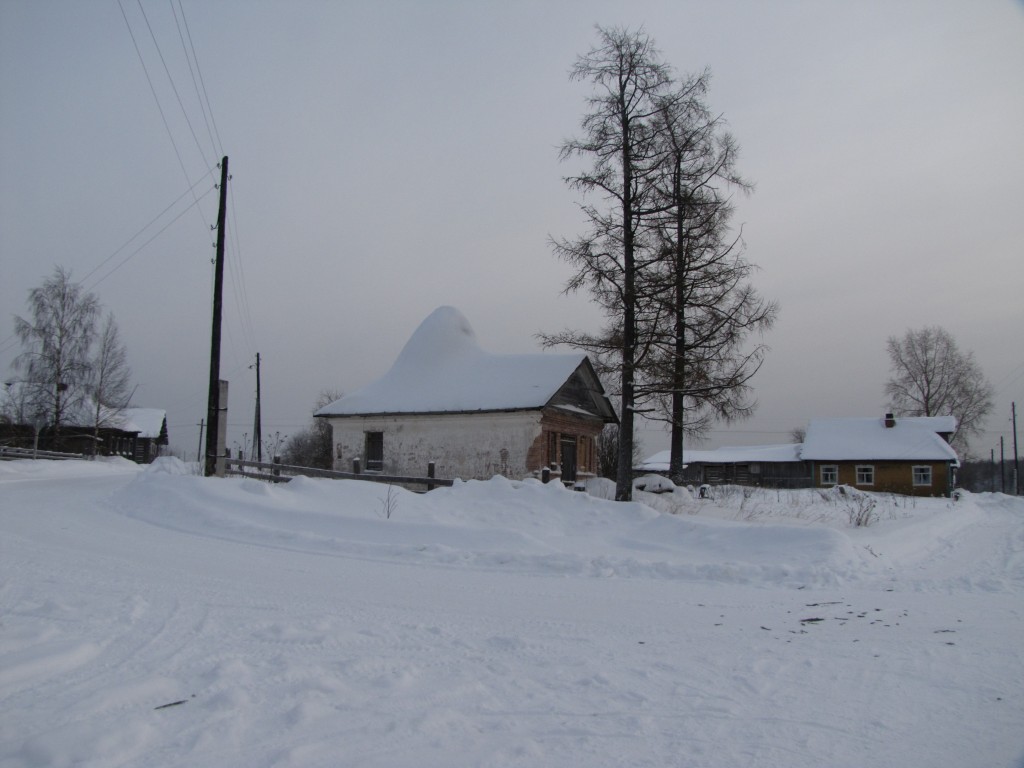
(9, 453)
(277, 472)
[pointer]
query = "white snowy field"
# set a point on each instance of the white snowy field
(153, 618)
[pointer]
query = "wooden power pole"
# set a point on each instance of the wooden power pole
(213, 421)
(257, 429)
(1002, 466)
(1016, 452)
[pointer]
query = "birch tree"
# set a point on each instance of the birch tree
(109, 381)
(56, 341)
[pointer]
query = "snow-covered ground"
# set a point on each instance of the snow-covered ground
(156, 618)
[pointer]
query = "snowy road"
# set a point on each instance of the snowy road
(292, 635)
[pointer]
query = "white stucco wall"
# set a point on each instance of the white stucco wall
(466, 446)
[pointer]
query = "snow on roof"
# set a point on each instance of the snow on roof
(938, 424)
(442, 369)
(148, 422)
(741, 454)
(910, 438)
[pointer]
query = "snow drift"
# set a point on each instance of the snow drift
(157, 618)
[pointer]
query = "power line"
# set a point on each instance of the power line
(192, 72)
(150, 223)
(209, 107)
(235, 266)
(1009, 379)
(159, 232)
(170, 79)
(241, 293)
(152, 90)
(7, 343)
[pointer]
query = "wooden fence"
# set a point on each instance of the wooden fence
(9, 453)
(276, 472)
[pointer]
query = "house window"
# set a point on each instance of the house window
(923, 476)
(865, 474)
(830, 474)
(374, 451)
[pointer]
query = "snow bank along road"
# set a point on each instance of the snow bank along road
(161, 619)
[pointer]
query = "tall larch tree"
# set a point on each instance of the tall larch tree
(628, 79)
(703, 310)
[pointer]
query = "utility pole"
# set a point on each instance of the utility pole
(1002, 466)
(199, 450)
(213, 402)
(257, 434)
(1016, 453)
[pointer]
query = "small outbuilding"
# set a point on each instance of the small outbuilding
(472, 413)
(771, 466)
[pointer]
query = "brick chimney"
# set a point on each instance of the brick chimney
(890, 421)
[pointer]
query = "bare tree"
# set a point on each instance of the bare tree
(930, 376)
(15, 407)
(704, 310)
(669, 273)
(628, 77)
(274, 444)
(56, 342)
(313, 445)
(109, 380)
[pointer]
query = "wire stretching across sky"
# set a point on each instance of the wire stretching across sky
(236, 271)
(194, 142)
(196, 198)
(152, 89)
(87, 284)
(236, 265)
(235, 261)
(196, 72)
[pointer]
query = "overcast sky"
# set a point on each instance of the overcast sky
(391, 157)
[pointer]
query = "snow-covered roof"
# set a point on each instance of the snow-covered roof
(938, 424)
(741, 454)
(909, 439)
(442, 369)
(148, 422)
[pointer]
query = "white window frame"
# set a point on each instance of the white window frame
(865, 471)
(924, 469)
(833, 471)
